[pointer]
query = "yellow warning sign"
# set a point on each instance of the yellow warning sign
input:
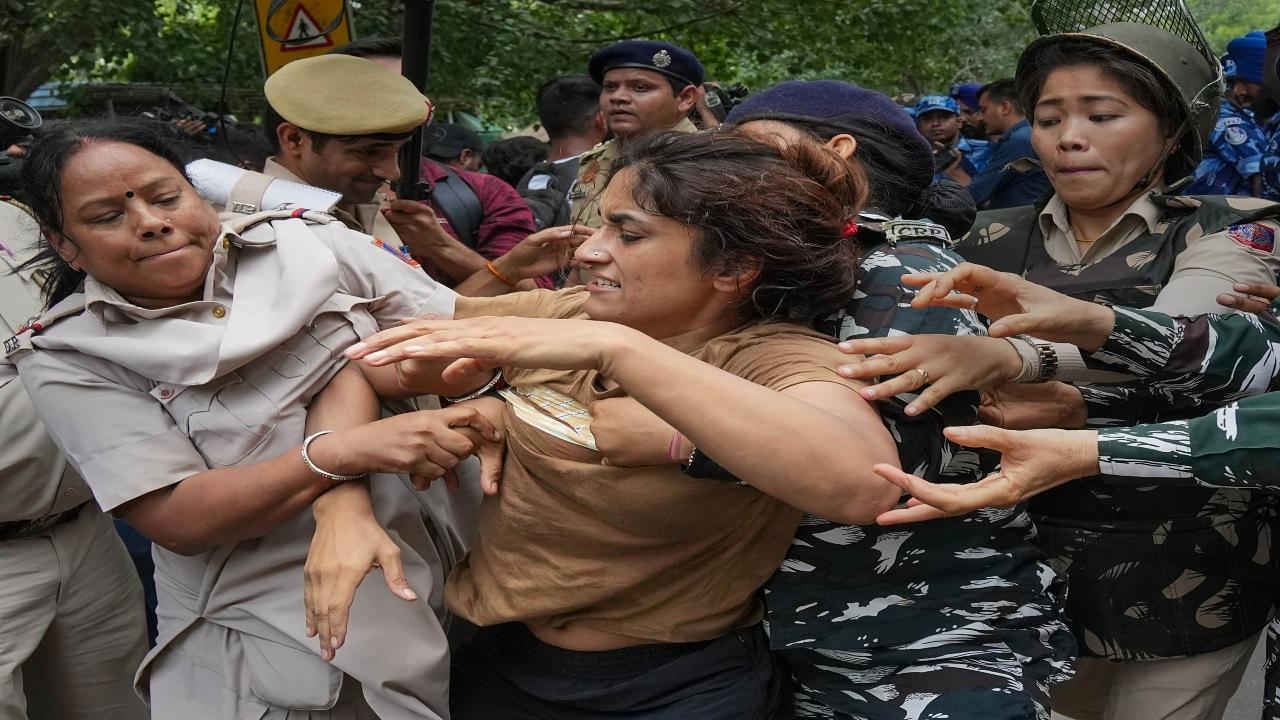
(294, 29)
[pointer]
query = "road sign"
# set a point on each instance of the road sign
(290, 30)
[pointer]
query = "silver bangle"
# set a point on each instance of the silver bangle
(306, 458)
(497, 378)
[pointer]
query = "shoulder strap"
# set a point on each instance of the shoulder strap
(460, 205)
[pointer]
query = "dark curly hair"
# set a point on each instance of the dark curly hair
(781, 210)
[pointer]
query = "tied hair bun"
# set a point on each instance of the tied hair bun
(949, 204)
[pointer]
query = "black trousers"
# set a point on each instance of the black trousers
(505, 673)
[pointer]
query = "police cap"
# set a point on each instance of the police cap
(345, 95)
(670, 60)
(932, 103)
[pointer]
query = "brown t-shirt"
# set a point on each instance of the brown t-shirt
(645, 552)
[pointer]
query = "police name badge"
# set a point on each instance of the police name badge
(661, 59)
(896, 231)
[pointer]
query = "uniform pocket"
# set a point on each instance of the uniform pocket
(287, 677)
(226, 419)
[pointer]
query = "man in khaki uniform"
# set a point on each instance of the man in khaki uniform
(72, 627)
(647, 86)
(338, 122)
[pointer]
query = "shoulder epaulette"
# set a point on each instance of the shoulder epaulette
(240, 223)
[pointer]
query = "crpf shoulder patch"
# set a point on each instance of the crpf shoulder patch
(1253, 236)
(1235, 135)
(401, 253)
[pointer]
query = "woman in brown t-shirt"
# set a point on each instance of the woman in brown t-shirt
(606, 582)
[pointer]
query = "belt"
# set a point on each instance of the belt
(16, 529)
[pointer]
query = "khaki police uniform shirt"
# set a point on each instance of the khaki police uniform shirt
(1208, 266)
(366, 217)
(35, 478)
(593, 173)
(142, 398)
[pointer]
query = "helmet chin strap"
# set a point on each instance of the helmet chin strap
(1146, 179)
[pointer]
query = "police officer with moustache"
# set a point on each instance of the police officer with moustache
(71, 610)
(939, 119)
(648, 86)
(1233, 156)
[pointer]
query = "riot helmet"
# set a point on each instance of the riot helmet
(1159, 34)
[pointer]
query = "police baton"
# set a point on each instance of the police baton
(416, 66)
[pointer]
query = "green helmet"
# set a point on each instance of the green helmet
(1186, 72)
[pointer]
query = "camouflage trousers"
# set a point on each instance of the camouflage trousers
(975, 681)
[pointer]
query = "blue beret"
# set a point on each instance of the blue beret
(966, 94)
(1248, 52)
(835, 103)
(670, 60)
(930, 103)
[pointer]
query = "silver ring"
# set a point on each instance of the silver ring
(924, 376)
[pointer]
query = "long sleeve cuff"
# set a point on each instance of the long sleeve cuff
(1148, 451)
(1140, 343)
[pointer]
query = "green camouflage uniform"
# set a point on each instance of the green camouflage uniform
(1210, 359)
(956, 618)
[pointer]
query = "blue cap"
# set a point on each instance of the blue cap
(1248, 52)
(910, 111)
(671, 60)
(930, 103)
(966, 94)
(1229, 67)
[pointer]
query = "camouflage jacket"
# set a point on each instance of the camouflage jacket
(1125, 547)
(1211, 359)
(942, 583)
(594, 167)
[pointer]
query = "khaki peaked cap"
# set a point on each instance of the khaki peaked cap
(345, 95)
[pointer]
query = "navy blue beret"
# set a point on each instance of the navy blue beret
(670, 60)
(838, 104)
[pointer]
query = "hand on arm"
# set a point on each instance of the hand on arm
(935, 365)
(1254, 298)
(1031, 462)
(758, 434)
(349, 541)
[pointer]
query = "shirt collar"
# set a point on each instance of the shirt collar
(105, 303)
(1144, 208)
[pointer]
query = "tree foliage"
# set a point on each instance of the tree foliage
(491, 55)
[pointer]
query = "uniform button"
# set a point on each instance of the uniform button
(69, 492)
(226, 243)
(219, 311)
(166, 393)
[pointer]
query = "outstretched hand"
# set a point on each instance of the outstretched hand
(1032, 461)
(1016, 305)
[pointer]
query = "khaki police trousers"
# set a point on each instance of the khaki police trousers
(72, 625)
(1190, 688)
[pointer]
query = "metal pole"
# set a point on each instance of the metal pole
(416, 66)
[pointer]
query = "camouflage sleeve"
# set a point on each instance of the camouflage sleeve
(1210, 359)
(1234, 446)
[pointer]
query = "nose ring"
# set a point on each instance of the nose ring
(596, 253)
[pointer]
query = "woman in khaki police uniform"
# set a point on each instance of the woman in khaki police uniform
(72, 625)
(175, 369)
